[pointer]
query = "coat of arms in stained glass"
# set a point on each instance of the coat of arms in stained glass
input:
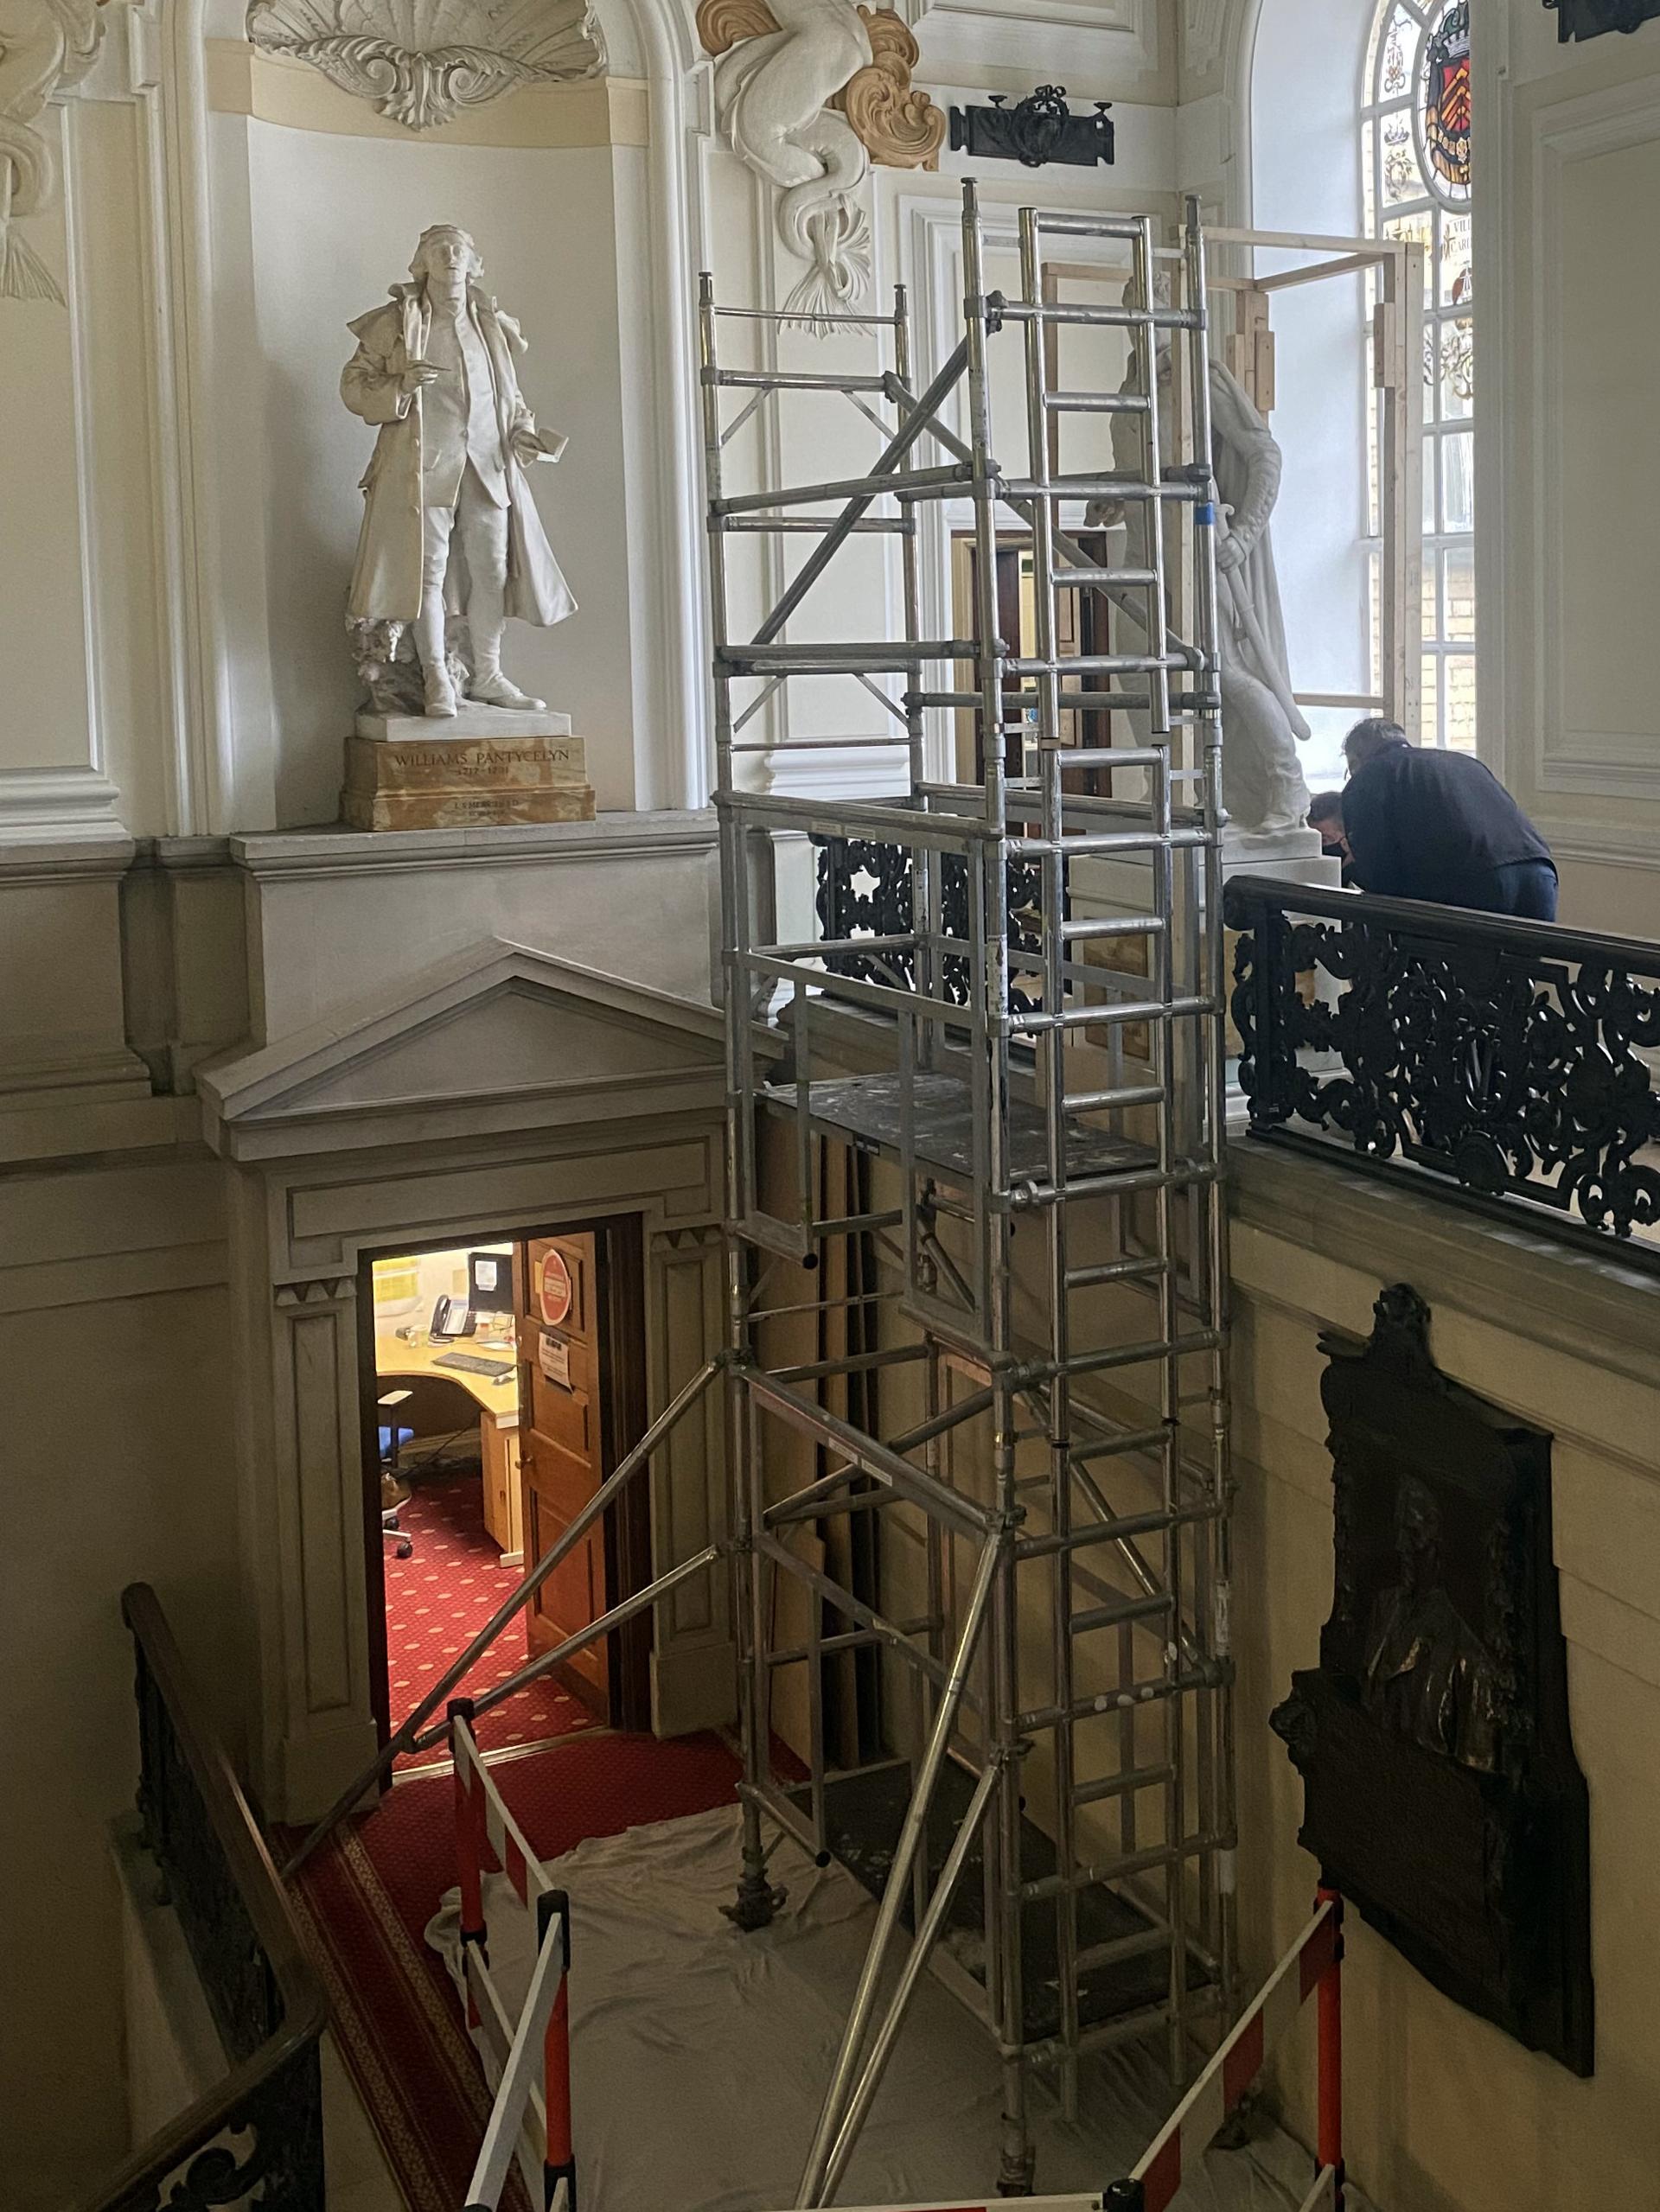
(1444, 103)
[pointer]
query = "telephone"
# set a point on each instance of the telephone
(453, 1317)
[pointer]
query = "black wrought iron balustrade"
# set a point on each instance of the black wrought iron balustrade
(864, 890)
(257, 2134)
(1512, 1061)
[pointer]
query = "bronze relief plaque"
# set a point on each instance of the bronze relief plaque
(1440, 1789)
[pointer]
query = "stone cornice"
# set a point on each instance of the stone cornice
(1512, 1278)
(299, 853)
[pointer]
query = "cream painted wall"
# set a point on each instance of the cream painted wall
(1443, 2112)
(114, 1342)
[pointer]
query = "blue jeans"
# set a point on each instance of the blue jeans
(1525, 888)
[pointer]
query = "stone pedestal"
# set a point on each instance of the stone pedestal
(482, 766)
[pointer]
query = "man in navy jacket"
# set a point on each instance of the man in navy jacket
(1424, 824)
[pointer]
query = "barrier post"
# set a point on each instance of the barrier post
(560, 2165)
(469, 1854)
(1125, 2196)
(1329, 2143)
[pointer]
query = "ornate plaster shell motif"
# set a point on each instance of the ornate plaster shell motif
(422, 61)
(45, 46)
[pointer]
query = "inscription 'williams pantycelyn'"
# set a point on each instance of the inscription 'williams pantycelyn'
(1440, 1789)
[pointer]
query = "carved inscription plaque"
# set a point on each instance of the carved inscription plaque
(1440, 1789)
(434, 783)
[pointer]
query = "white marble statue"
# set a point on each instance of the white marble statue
(771, 95)
(1262, 784)
(450, 526)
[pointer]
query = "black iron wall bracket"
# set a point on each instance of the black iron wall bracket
(1039, 130)
(1591, 18)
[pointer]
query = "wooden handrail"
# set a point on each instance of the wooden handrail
(277, 2080)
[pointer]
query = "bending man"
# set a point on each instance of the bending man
(1423, 824)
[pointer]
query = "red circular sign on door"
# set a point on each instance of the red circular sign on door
(557, 1292)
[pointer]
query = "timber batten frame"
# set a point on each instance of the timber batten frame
(1092, 1110)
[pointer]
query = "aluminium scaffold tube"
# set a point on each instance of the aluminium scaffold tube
(840, 2091)
(1037, 981)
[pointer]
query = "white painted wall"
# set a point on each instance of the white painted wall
(1568, 253)
(1306, 83)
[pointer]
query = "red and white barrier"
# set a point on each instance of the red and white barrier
(1313, 1966)
(526, 2060)
(1095, 2203)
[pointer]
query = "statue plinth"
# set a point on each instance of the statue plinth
(482, 766)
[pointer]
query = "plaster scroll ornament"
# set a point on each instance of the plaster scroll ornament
(451, 543)
(46, 47)
(421, 62)
(808, 92)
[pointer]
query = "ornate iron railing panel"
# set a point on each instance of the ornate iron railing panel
(1505, 1059)
(864, 890)
(260, 2130)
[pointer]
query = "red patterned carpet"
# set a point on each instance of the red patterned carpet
(367, 1897)
(439, 1599)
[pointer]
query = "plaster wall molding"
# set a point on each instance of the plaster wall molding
(422, 62)
(1204, 24)
(1563, 136)
(1098, 49)
(313, 1297)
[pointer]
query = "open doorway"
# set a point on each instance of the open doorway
(501, 1380)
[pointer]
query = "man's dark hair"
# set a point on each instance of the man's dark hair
(1324, 806)
(1369, 739)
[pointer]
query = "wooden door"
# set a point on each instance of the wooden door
(559, 1303)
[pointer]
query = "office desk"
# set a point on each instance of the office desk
(498, 1428)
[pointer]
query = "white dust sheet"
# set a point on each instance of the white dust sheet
(700, 2054)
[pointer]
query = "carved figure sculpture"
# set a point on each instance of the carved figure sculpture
(449, 522)
(1428, 1675)
(45, 46)
(772, 97)
(1263, 783)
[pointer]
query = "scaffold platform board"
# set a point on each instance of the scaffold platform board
(870, 1111)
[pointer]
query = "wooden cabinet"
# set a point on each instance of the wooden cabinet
(503, 1507)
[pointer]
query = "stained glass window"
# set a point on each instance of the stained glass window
(1416, 133)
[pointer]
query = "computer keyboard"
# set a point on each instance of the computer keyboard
(469, 1363)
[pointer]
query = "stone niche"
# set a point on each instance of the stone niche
(1441, 1793)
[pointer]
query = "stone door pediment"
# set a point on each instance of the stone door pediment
(508, 1034)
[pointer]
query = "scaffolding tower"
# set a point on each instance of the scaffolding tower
(1038, 1044)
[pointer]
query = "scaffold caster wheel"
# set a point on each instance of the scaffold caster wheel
(1016, 2178)
(1235, 2130)
(756, 1902)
